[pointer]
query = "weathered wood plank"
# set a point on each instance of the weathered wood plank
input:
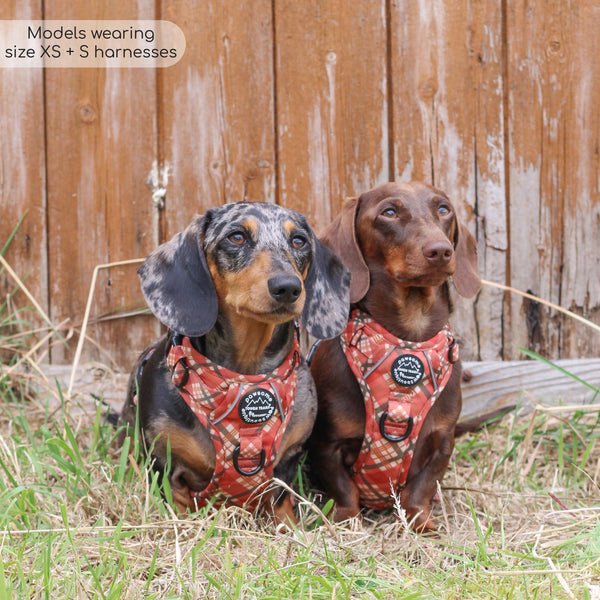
(332, 118)
(494, 385)
(433, 97)
(497, 384)
(289, 101)
(101, 143)
(217, 108)
(415, 84)
(485, 40)
(553, 71)
(580, 274)
(448, 130)
(22, 171)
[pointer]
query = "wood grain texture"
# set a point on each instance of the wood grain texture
(496, 384)
(485, 43)
(101, 143)
(332, 113)
(580, 274)
(23, 173)
(217, 108)
(305, 103)
(448, 131)
(553, 73)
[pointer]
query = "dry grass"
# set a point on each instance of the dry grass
(518, 515)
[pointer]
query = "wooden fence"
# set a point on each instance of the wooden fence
(303, 103)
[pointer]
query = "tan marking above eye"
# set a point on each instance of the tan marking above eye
(251, 225)
(288, 227)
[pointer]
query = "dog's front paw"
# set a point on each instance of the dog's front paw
(420, 520)
(282, 513)
(343, 513)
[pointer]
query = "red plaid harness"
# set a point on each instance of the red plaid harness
(245, 415)
(400, 381)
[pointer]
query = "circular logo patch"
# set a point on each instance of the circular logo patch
(407, 370)
(257, 406)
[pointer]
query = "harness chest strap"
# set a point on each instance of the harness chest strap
(245, 415)
(400, 382)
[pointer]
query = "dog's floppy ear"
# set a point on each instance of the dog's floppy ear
(327, 282)
(177, 284)
(340, 236)
(466, 277)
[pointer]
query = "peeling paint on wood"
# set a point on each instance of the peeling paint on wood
(331, 103)
(553, 70)
(217, 108)
(99, 151)
(304, 104)
(23, 171)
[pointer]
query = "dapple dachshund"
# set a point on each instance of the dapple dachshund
(389, 387)
(224, 398)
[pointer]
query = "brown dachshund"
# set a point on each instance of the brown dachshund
(389, 387)
(224, 401)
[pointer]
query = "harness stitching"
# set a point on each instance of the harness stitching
(398, 391)
(246, 440)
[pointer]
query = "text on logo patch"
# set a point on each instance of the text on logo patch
(257, 406)
(407, 370)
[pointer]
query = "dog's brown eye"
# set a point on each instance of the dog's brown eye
(443, 209)
(237, 238)
(389, 212)
(298, 242)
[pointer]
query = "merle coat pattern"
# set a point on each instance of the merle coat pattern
(234, 282)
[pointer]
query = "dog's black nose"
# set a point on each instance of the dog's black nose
(438, 253)
(285, 288)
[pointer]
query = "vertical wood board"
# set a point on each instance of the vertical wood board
(101, 143)
(331, 92)
(485, 44)
(553, 70)
(580, 277)
(217, 109)
(22, 174)
(448, 131)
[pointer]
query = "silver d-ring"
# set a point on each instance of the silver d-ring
(391, 438)
(254, 471)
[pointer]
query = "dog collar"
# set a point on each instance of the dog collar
(400, 382)
(245, 416)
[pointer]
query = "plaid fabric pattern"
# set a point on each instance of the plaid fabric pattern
(382, 465)
(213, 393)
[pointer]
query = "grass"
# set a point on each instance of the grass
(518, 516)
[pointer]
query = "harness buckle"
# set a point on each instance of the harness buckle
(181, 374)
(392, 438)
(452, 354)
(254, 471)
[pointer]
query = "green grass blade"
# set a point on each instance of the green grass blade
(5, 593)
(536, 356)
(11, 237)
